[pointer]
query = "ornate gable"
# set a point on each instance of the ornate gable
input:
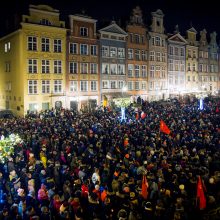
(177, 38)
(114, 29)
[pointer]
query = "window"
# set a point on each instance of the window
(105, 84)
(84, 68)
(83, 86)
(176, 49)
(32, 66)
(45, 86)
(83, 31)
(152, 70)
(45, 22)
(33, 107)
(136, 85)
(182, 52)
(8, 86)
(144, 55)
(137, 71)
(158, 56)
(144, 71)
(93, 49)
(105, 51)
(32, 87)
(194, 54)
(137, 55)
(57, 68)
(163, 71)
(137, 38)
(113, 69)
(93, 68)
(73, 86)
(113, 84)
(200, 67)
(201, 54)
(73, 68)
(131, 38)
(143, 86)
(171, 50)
(45, 44)
(32, 43)
(130, 70)
(157, 72)
(105, 68)
(153, 41)
(57, 46)
(163, 43)
(73, 48)
(130, 85)
(7, 67)
(189, 68)
(157, 41)
(152, 56)
(57, 86)
(45, 66)
(121, 52)
(171, 66)
(130, 54)
(113, 51)
(163, 57)
(189, 53)
(83, 49)
(94, 85)
(7, 47)
(121, 69)
(194, 67)
(120, 84)
(182, 66)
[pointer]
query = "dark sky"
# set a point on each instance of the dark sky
(182, 12)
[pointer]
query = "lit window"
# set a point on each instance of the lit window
(32, 86)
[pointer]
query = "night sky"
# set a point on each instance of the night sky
(184, 13)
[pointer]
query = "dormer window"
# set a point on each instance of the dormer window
(45, 22)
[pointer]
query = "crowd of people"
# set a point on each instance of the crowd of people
(74, 165)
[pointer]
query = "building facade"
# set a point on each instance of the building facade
(176, 64)
(157, 78)
(192, 62)
(212, 80)
(137, 56)
(35, 63)
(83, 84)
(113, 69)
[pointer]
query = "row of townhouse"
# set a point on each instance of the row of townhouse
(44, 64)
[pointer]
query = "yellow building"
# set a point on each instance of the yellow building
(33, 63)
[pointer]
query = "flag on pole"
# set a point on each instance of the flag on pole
(144, 187)
(164, 128)
(200, 194)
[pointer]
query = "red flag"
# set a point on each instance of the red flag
(200, 194)
(137, 116)
(217, 110)
(144, 187)
(164, 128)
(143, 115)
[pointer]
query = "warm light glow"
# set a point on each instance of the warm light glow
(124, 88)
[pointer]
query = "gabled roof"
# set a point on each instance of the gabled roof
(113, 28)
(177, 38)
(192, 29)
